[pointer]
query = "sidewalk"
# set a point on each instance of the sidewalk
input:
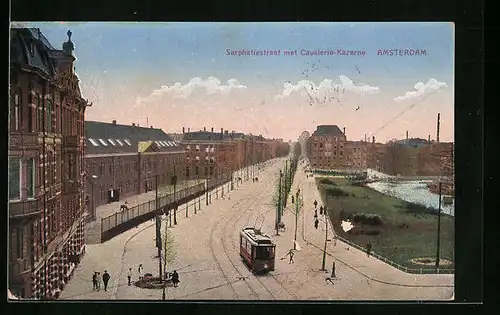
(93, 229)
(347, 257)
(115, 254)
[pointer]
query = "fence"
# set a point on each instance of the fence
(398, 266)
(119, 222)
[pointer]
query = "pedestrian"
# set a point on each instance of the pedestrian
(140, 270)
(333, 270)
(368, 249)
(316, 213)
(290, 253)
(105, 279)
(129, 275)
(98, 281)
(94, 281)
(316, 223)
(175, 278)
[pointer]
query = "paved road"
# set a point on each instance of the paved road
(209, 265)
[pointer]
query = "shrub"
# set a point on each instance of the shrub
(367, 218)
(335, 192)
(326, 181)
(373, 232)
(418, 209)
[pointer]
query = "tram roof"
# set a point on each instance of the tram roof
(256, 236)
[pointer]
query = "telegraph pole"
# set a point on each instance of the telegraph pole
(286, 179)
(438, 122)
(438, 228)
(279, 204)
(323, 265)
(158, 226)
(296, 217)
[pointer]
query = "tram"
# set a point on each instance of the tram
(257, 250)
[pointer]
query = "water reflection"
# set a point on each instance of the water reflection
(412, 191)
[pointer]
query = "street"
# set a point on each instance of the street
(209, 265)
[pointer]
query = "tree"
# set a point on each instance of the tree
(169, 251)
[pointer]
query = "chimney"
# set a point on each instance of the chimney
(373, 139)
(221, 130)
(437, 137)
(133, 124)
(344, 130)
(183, 130)
(407, 136)
(365, 137)
(212, 129)
(114, 122)
(429, 138)
(204, 128)
(226, 132)
(189, 130)
(151, 127)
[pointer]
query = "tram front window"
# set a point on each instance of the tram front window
(264, 252)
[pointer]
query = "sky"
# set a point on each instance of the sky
(264, 78)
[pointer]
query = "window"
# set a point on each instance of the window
(94, 143)
(119, 142)
(127, 141)
(40, 116)
(197, 170)
(103, 142)
(20, 242)
(206, 170)
(111, 141)
(187, 171)
(30, 174)
(14, 179)
(16, 117)
(48, 120)
(197, 148)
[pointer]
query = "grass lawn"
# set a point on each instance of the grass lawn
(406, 230)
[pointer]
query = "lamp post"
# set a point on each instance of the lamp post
(438, 227)
(158, 226)
(278, 217)
(173, 181)
(92, 182)
(296, 217)
(326, 239)
(286, 179)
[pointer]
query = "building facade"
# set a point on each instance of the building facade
(123, 160)
(212, 154)
(46, 179)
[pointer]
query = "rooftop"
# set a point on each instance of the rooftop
(328, 130)
(109, 138)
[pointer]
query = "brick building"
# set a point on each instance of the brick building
(46, 179)
(210, 153)
(122, 160)
(326, 148)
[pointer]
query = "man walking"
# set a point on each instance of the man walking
(140, 270)
(98, 281)
(290, 253)
(129, 275)
(94, 281)
(175, 278)
(368, 249)
(105, 279)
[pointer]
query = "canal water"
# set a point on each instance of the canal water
(412, 191)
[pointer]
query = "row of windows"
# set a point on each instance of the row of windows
(40, 119)
(207, 171)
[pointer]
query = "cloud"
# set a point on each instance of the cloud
(421, 89)
(326, 87)
(211, 85)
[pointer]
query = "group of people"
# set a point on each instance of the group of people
(97, 278)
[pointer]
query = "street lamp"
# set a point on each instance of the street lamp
(296, 217)
(278, 216)
(158, 225)
(94, 177)
(439, 226)
(326, 239)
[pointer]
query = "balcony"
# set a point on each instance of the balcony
(71, 141)
(19, 267)
(19, 209)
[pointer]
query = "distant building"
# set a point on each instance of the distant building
(46, 176)
(123, 160)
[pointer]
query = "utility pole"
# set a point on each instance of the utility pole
(164, 264)
(158, 226)
(279, 204)
(323, 265)
(296, 217)
(438, 228)
(285, 179)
